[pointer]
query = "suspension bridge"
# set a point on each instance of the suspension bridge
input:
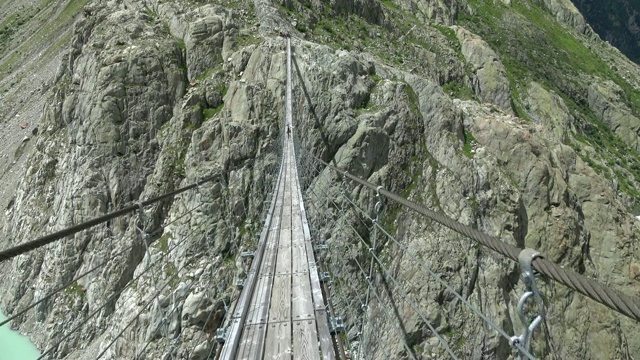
(284, 310)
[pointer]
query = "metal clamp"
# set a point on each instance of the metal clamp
(525, 258)
(247, 255)
(378, 206)
(221, 335)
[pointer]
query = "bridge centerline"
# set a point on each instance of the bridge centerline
(281, 311)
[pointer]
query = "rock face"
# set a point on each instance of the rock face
(490, 82)
(604, 101)
(153, 96)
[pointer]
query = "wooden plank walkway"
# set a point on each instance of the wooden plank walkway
(280, 313)
(285, 313)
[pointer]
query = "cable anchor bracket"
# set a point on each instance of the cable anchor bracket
(379, 205)
(522, 342)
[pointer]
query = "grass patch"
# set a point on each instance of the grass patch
(458, 90)
(208, 113)
(75, 289)
(469, 145)
(47, 28)
(163, 242)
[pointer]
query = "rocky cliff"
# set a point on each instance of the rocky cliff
(507, 116)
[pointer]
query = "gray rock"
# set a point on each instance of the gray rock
(490, 82)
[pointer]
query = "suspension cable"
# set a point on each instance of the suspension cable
(389, 316)
(112, 298)
(377, 225)
(32, 245)
(612, 298)
(437, 277)
(405, 296)
(173, 276)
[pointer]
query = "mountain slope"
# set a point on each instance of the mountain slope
(509, 116)
(616, 22)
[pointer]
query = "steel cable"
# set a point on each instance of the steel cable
(429, 272)
(377, 225)
(111, 298)
(32, 245)
(52, 293)
(177, 271)
(389, 316)
(612, 298)
(186, 263)
(404, 295)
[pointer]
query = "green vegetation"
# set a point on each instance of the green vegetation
(533, 46)
(171, 272)
(208, 113)
(75, 289)
(458, 90)
(414, 104)
(163, 242)
(46, 26)
(469, 144)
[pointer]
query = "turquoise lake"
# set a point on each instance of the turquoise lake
(14, 346)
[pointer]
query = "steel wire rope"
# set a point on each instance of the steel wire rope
(71, 282)
(58, 235)
(389, 316)
(193, 231)
(187, 291)
(377, 225)
(310, 169)
(404, 296)
(202, 299)
(437, 277)
(275, 184)
(109, 300)
(145, 307)
(262, 218)
(323, 266)
(193, 282)
(337, 206)
(329, 307)
(612, 298)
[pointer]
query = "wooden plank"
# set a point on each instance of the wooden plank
(316, 289)
(283, 266)
(260, 304)
(253, 350)
(234, 338)
(278, 344)
(301, 301)
(299, 255)
(281, 299)
(326, 343)
(305, 340)
(246, 342)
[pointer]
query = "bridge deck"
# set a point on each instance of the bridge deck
(284, 312)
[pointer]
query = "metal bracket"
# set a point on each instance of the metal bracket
(325, 277)
(221, 335)
(247, 254)
(240, 284)
(321, 247)
(525, 258)
(336, 325)
(378, 206)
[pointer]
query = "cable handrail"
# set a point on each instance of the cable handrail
(612, 298)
